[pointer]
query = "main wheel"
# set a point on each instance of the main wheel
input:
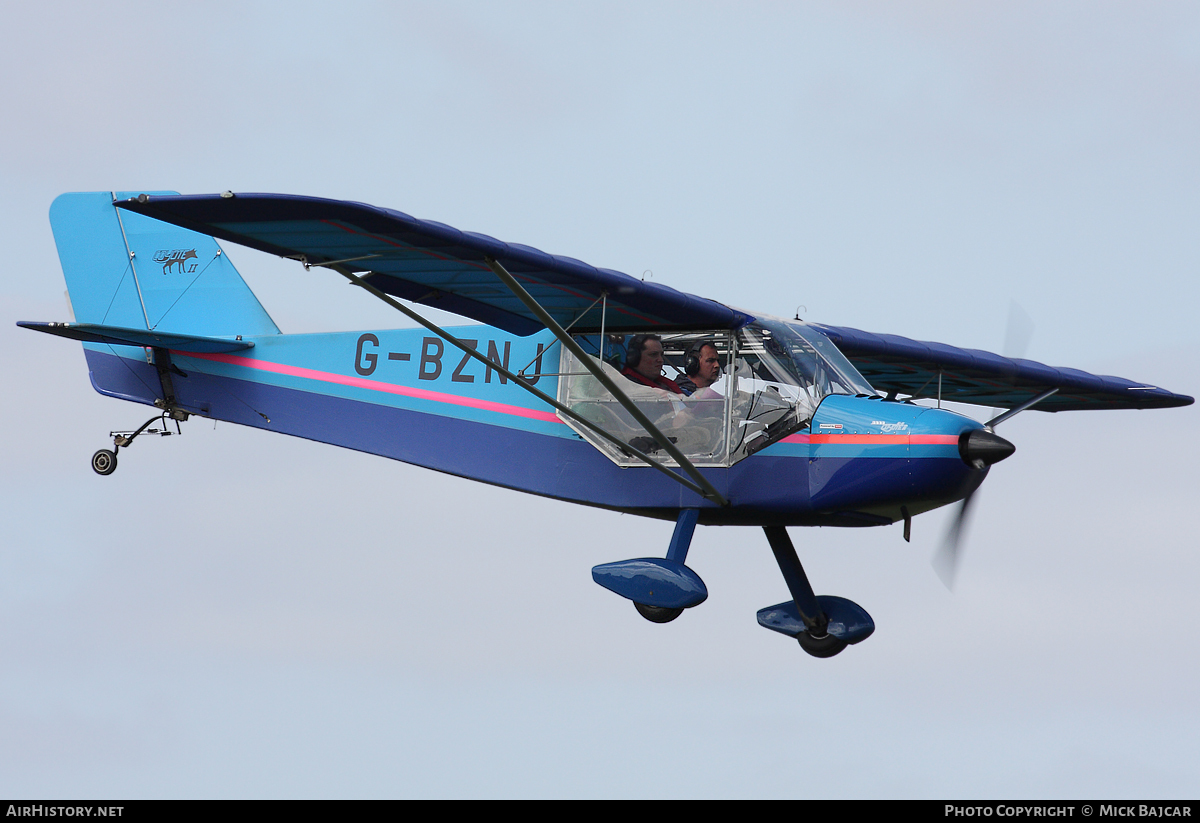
(104, 462)
(657, 614)
(824, 646)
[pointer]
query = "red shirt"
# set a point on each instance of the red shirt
(658, 383)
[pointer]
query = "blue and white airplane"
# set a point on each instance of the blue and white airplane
(754, 421)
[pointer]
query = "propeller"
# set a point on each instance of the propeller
(1017, 334)
(945, 559)
(981, 448)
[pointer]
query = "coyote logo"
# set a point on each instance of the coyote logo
(170, 258)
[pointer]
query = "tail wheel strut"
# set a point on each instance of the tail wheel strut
(104, 462)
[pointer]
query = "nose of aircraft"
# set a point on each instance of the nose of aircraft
(982, 447)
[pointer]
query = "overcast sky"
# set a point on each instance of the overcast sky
(236, 614)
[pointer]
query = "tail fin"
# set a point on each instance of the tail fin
(130, 271)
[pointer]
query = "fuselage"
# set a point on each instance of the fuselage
(410, 396)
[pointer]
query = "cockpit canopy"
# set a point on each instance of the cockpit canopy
(773, 375)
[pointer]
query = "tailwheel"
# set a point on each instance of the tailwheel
(823, 646)
(104, 462)
(658, 614)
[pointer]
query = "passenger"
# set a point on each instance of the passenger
(703, 369)
(644, 363)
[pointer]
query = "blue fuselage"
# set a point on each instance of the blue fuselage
(409, 396)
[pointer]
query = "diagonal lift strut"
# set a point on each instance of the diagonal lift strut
(597, 371)
(363, 283)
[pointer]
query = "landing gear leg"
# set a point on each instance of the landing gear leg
(815, 639)
(681, 541)
(823, 625)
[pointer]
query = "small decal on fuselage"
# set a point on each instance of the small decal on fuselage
(831, 425)
(176, 260)
(890, 427)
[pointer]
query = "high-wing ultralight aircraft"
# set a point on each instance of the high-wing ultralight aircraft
(561, 394)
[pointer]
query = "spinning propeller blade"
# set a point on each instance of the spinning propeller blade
(979, 448)
(945, 560)
(982, 448)
(1018, 331)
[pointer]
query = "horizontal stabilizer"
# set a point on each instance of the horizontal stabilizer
(118, 336)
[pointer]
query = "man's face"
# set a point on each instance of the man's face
(710, 367)
(651, 364)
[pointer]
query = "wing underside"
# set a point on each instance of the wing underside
(916, 369)
(439, 266)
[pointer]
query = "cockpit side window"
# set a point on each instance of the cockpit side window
(689, 407)
(766, 382)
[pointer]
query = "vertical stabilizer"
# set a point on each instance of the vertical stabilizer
(126, 270)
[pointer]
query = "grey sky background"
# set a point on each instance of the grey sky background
(238, 614)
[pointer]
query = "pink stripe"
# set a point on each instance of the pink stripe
(375, 385)
(891, 439)
(861, 439)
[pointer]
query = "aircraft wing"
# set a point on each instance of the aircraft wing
(435, 265)
(912, 368)
(438, 266)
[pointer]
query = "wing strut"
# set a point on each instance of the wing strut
(701, 490)
(710, 491)
(1013, 412)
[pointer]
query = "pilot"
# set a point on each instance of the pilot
(644, 363)
(703, 369)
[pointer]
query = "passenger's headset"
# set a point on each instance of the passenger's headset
(691, 366)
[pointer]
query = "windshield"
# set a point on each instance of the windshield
(795, 354)
(783, 370)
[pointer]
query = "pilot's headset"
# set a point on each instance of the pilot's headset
(633, 351)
